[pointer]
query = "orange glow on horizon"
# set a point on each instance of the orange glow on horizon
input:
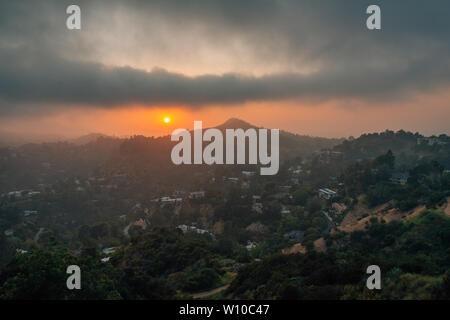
(332, 118)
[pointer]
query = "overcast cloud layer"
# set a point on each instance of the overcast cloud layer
(201, 53)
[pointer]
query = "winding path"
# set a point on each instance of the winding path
(205, 294)
(38, 234)
(125, 231)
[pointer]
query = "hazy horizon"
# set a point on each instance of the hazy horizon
(21, 137)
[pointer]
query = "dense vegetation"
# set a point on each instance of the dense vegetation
(414, 258)
(41, 274)
(165, 264)
(425, 183)
(99, 205)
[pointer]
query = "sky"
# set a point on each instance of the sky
(309, 67)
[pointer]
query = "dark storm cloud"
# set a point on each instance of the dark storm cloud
(41, 63)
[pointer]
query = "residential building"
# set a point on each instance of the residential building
(400, 177)
(326, 193)
(197, 195)
(338, 208)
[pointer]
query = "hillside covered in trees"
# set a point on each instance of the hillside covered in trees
(142, 228)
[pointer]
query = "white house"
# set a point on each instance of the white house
(197, 195)
(326, 193)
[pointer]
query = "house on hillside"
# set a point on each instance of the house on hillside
(326, 193)
(257, 207)
(256, 198)
(186, 228)
(109, 251)
(197, 195)
(285, 211)
(250, 245)
(400, 177)
(27, 213)
(294, 235)
(338, 208)
(168, 200)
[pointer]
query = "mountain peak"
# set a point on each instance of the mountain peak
(235, 123)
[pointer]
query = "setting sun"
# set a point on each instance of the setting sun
(166, 120)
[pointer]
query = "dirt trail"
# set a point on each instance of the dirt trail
(125, 231)
(38, 234)
(209, 293)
